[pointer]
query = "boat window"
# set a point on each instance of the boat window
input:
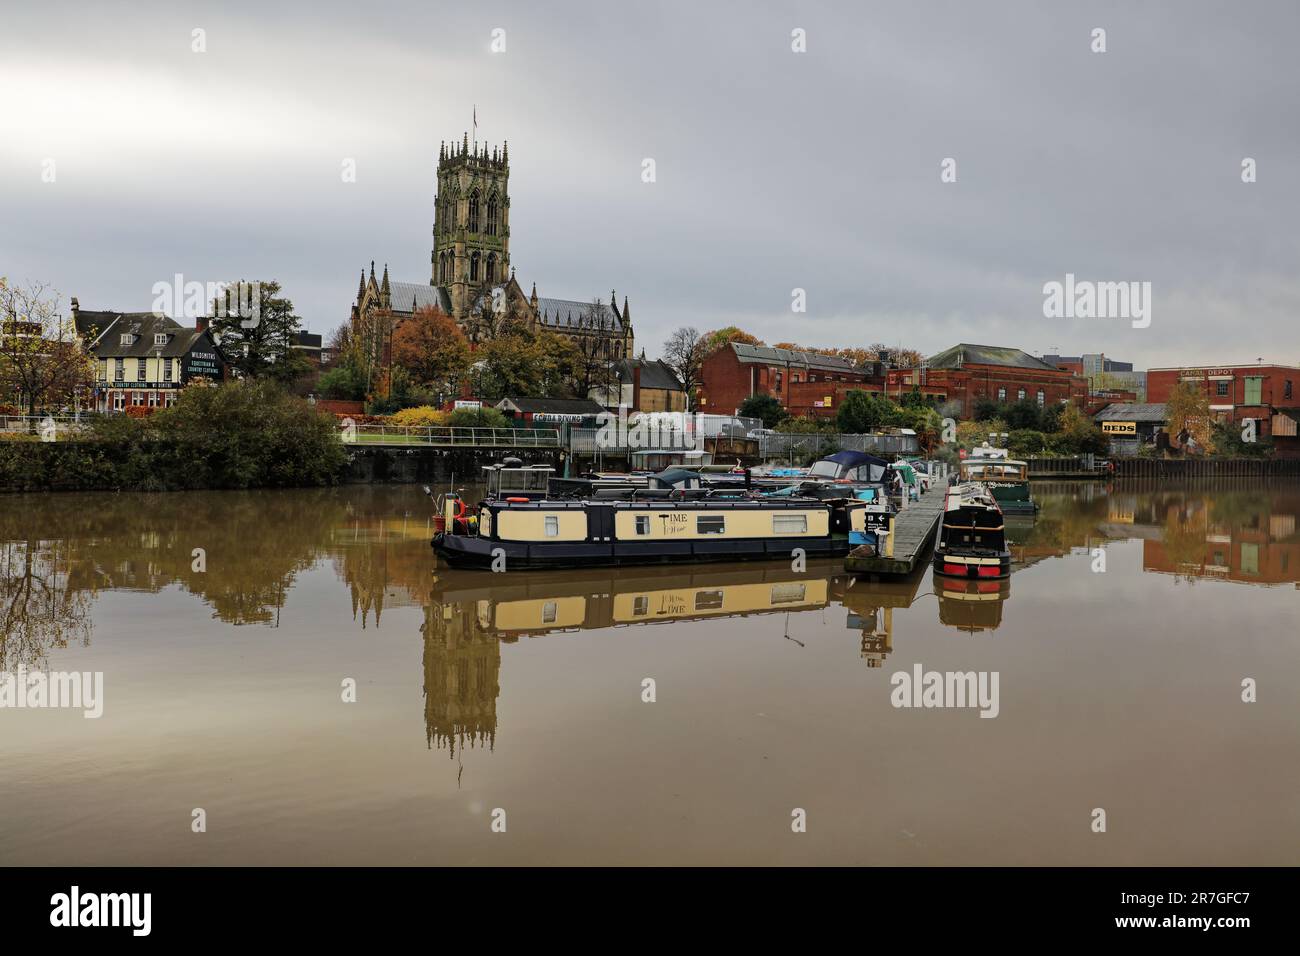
(710, 524)
(825, 469)
(789, 524)
(787, 593)
(640, 605)
(552, 526)
(708, 600)
(642, 524)
(548, 612)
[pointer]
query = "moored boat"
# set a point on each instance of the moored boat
(1006, 478)
(972, 540)
(656, 526)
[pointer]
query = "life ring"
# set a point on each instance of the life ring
(441, 505)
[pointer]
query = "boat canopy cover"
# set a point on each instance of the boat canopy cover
(676, 477)
(852, 459)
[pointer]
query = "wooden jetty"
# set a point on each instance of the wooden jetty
(911, 540)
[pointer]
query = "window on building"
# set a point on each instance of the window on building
(1286, 389)
(127, 338)
(473, 267)
(140, 370)
(119, 401)
(552, 526)
(1254, 390)
(1002, 395)
(473, 211)
(789, 524)
(778, 381)
(491, 267)
(1020, 395)
(1221, 388)
(167, 370)
(153, 399)
(492, 215)
(710, 524)
(160, 338)
(137, 398)
(642, 524)
(1042, 396)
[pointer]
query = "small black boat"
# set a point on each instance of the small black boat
(972, 541)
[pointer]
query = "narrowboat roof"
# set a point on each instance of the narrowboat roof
(727, 504)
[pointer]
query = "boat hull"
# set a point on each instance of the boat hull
(464, 551)
(973, 565)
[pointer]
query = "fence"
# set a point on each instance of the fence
(447, 436)
(796, 448)
(1207, 467)
(1062, 466)
(39, 424)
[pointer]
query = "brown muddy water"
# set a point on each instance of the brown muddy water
(223, 688)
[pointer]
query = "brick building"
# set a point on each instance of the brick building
(1265, 393)
(805, 383)
(967, 373)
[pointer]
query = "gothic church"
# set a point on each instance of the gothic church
(471, 275)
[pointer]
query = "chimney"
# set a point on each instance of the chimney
(636, 386)
(201, 324)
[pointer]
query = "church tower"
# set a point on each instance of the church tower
(471, 222)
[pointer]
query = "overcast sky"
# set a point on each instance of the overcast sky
(775, 170)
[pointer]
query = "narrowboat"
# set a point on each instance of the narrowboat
(971, 542)
(509, 531)
(1006, 478)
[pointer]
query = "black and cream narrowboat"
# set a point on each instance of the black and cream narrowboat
(972, 541)
(519, 532)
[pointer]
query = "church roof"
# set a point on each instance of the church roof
(409, 296)
(572, 314)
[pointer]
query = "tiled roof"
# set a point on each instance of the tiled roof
(409, 296)
(967, 354)
(560, 406)
(142, 327)
(763, 354)
(572, 314)
(1132, 412)
(654, 374)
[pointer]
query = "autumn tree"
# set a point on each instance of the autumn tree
(432, 348)
(41, 362)
(1187, 412)
(724, 336)
(684, 353)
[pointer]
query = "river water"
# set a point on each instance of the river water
(504, 718)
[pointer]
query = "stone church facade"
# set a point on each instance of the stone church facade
(472, 278)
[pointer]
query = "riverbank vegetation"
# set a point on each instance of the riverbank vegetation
(243, 434)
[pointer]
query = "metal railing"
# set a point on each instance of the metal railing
(449, 436)
(35, 424)
(795, 447)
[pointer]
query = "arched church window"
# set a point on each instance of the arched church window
(491, 267)
(473, 211)
(492, 215)
(473, 267)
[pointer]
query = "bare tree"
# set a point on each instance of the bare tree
(684, 353)
(41, 360)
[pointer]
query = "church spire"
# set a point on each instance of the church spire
(626, 314)
(361, 289)
(372, 268)
(384, 288)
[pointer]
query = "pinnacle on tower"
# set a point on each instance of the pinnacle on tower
(385, 288)
(505, 152)
(372, 268)
(361, 289)
(626, 313)
(465, 143)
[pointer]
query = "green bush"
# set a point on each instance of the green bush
(479, 418)
(1026, 441)
(245, 434)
